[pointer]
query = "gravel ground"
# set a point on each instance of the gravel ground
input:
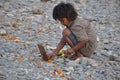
(26, 23)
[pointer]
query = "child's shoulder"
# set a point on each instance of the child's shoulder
(81, 21)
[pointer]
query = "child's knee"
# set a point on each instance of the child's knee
(66, 32)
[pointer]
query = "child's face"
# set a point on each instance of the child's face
(65, 21)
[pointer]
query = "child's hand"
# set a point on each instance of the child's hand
(68, 51)
(50, 56)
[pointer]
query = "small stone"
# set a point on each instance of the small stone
(1, 5)
(17, 40)
(26, 31)
(114, 58)
(2, 77)
(77, 60)
(72, 63)
(47, 78)
(98, 39)
(60, 60)
(68, 73)
(27, 42)
(84, 61)
(37, 11)
(71, 69)
(14, 25)
(10, 15)
(3, 32)
(31, 58)
(7, 6)
(118, 76)
(106, 41)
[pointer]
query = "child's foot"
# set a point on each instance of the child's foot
(75, 56)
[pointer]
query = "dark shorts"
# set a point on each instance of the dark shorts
(73, 39)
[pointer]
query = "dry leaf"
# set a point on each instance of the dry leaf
(21, 58)
(48, 31)
(53, 73)
(39, 30)
(91, 75)
(59, 71)
(10, 38)
(88, 79)
(69, 79)
(41, 23)
(50, 61)
(62, 75)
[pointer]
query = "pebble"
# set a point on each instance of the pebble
(3, 32)
(1, 5)
(118, 76)
(2, 77)
(114, 58)
(37, 11)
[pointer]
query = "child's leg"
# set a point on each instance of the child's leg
(69, 38)
(72, 41)
(76, 55)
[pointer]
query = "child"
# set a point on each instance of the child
(78, 34)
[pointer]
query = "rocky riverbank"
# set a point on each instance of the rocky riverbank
(26, 23)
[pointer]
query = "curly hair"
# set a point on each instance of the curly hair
(64, 10)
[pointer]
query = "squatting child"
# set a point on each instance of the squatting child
(78, 33)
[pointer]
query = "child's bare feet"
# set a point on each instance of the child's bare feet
(75, 56)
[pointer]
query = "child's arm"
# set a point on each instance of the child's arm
(77, 47)
(60, 46)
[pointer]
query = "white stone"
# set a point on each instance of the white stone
(71, 68)
(98, 39)
(106, 41)
(3, 32)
